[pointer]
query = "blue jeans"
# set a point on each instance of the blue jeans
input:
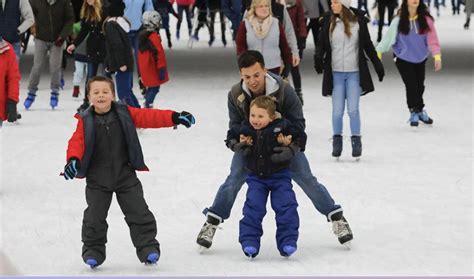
(300, 172)
(17, 50)
(150, 95)
(124, 88)
(346, 86)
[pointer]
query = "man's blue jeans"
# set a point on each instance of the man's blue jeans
(346, 86)
(300, 173)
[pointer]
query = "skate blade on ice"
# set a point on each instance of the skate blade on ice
(347, 245)
(202, 249)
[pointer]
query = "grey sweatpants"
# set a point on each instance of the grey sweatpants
(55, 58)
(468, 9)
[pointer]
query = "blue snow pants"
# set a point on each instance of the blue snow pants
(283, 201)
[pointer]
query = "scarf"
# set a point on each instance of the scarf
(261, 27)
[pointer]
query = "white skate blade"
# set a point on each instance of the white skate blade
(202, 249)
(357, 159)
(347, 245)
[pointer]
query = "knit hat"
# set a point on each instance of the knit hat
(116, 8)
(346, 3)
(151, 20)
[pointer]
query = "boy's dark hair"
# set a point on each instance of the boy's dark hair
(100, 78)
(249, 58)
(266, 103)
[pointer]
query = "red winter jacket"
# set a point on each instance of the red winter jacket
(296, 13)
(9, 78)
(149, 68)
(81, 143)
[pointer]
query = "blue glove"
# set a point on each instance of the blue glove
(70, 170)
(184, 118)
(162, 74)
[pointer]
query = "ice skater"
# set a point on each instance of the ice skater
(268, 144)
(105, 149)
(412, 36)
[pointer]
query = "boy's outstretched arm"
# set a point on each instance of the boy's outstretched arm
(156, 118)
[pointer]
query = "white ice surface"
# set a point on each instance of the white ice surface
(409, 200)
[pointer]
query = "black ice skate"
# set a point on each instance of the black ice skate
(341, 229)
(336, 146)
(356, 147)
(423, 116)
(208, 231)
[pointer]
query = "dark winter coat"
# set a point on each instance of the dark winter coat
(95, 43)
(288, 105)
(118, 48)
(298, 20)
(323, 58)
(263, 142)
(9, 78)
(10, 20)
(52, 21)
(82, 144)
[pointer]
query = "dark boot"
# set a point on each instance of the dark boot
(466, 25)
(336, 145)
(76, 91)
(356, 146)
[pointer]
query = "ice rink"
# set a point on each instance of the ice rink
(409, 200)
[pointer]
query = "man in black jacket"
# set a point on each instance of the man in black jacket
(54, 19)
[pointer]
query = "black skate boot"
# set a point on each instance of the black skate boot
(336, 146)
(466, 25)
(341, 228)
(300, 95)
(356, 146)
(208, 230)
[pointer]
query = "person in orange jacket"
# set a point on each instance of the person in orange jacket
(151, 56)
(9, 82)
(105, 149)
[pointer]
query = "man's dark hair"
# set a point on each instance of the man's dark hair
(249, 58)
(103, 79)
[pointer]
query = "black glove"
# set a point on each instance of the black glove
(286, 71)
(284, 153)
(184, 118)
(12, 113)
(318, 65)
(301, 43)
(381, 74)
(59, 41)
(70, 169)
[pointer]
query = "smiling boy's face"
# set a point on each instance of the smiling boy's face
(101, 96)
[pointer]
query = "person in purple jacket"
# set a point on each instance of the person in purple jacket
(412, 36)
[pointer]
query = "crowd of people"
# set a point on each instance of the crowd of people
(111, 40)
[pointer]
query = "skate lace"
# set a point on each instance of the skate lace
(340, 228)
(208, 231)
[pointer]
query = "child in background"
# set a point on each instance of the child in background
(80, 61)
(118, 49)
(9, 82)
(106, 150)
(151, 56)
(266, 142)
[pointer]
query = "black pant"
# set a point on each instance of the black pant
(139, 219)
(314, 26)
(413, 75)
(187, 11)
(381, 8)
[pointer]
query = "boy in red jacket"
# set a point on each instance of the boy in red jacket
(105, 149)
(9, 82)
(151, 56)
